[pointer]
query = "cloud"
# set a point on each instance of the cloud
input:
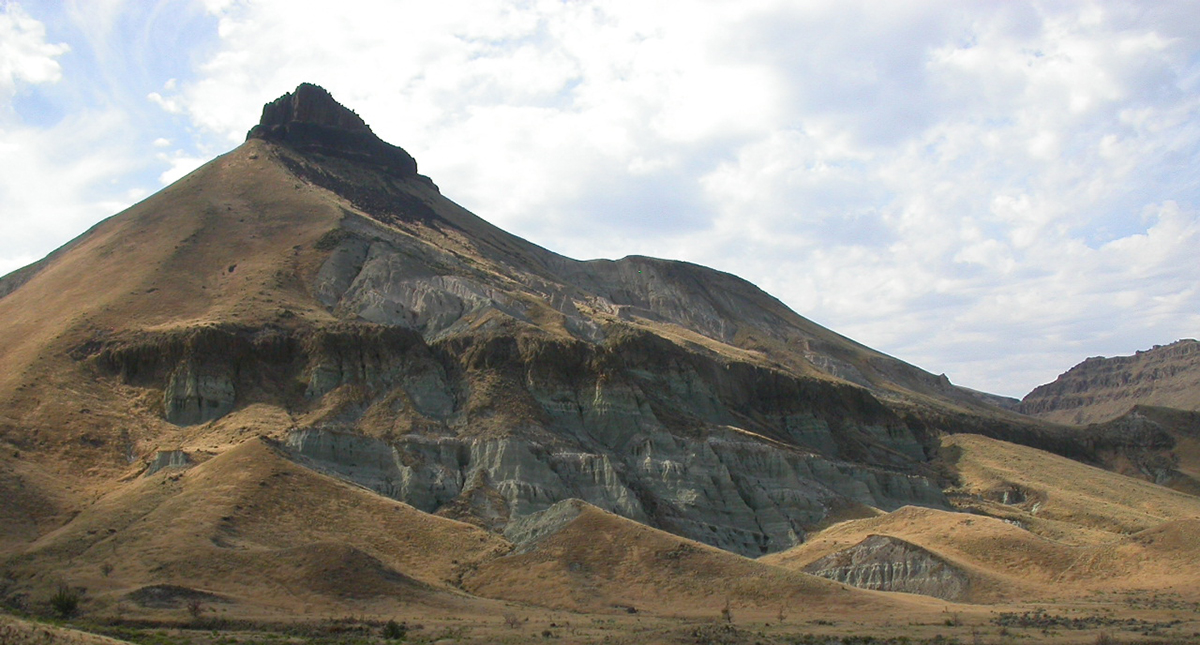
(985, 190)
(991, 190)
(180, 164)
(70, 151)
(25, 56)
(58, 182)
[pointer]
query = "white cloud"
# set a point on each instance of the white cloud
(179, 164)
(170, 105)
(58, 182)
(992, 190)
(60, 176)
(25, 56)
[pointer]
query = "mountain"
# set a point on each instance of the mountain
(301, 376)
(1151, 398)
(1101, 389)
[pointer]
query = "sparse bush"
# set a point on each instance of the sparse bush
(195, 608)
(512, 620)
(1104, 638)
(330, 240)
(727, 612)
(106, 569)
(65, 601)
(395, 631)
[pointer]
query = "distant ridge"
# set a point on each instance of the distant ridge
(1100, 389)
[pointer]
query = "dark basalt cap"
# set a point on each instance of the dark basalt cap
(310, 120)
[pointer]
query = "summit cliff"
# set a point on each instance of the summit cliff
(310, 120)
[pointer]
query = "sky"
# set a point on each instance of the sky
(994, 190)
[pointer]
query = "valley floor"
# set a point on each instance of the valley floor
(1139, 617)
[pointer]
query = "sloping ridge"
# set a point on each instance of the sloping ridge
(1035, 526)
(252, 527)
(887, 563)
(589, 560)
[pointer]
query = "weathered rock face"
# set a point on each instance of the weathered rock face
(494, 430)
(1100, 389)
(310, 120)
(194, 395)
(885, 563)
(729, 492)
(168, 459)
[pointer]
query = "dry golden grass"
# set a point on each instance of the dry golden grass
(254, 527)
(16, 631)
(1081, 529)
(211, 247)
(1004, 562)
(1060, 489)
(601, 562)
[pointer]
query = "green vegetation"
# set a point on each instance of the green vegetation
(65, 601)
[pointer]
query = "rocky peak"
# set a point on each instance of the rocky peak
(310, 120)
(311, 104)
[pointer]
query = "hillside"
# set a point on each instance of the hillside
(1037, 526)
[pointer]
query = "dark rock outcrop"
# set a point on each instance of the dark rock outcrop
(311, 121)
(493, 430)
(886, 563)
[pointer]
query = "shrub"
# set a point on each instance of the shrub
(65, 601)
(195, 608)
(395, 631)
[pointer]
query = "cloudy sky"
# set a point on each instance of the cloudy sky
(994, 189)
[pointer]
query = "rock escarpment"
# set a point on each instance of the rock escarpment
(1100, 389)
(886, 563)
(497, 429)
(310, 120)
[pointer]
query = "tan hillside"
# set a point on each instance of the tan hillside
(256, 529)
(1040, 527)
(601, 562)
(1003, 562)
(1050, 487)
(1006, 563)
